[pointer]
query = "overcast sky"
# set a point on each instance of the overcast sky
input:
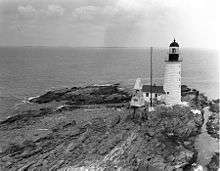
(108, 22)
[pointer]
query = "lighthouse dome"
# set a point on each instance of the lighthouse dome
(174, 44)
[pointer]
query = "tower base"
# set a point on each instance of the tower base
(172, 82)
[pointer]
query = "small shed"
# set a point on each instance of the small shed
(137, 99)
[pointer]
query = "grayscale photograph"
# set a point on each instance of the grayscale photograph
(109, 85)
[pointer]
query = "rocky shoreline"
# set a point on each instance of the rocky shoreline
(93, 127)
(213, 121)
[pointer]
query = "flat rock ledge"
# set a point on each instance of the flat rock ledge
(164, 141)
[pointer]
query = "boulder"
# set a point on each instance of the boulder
(212, 125)
(214, 163)
(72, 146)
(184, 155)
(214, 107)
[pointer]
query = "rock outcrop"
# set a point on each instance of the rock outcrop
(212, 125)
(213, 165)
(86, 95)
(194, 97)
(24, 118)
(111, 137)
(107, 142)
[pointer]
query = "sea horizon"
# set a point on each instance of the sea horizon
(126, 47)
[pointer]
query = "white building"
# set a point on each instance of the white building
(157, 93)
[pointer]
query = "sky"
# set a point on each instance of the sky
(126, 23)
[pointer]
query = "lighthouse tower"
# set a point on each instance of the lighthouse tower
(172, 76)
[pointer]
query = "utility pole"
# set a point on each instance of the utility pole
(151, 77)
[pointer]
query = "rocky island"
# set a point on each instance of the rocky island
(94, 127)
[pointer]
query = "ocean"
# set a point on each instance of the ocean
(30, 71)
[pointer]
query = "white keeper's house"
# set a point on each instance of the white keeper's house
(158, 93)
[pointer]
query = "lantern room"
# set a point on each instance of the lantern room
(173, 51)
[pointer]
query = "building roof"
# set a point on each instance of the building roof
(155, 89)
(174, 44)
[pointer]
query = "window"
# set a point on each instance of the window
(147, 94)
(155, 95)
(173, 50)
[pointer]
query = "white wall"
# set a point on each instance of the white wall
(160, 97)
(172, 82)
